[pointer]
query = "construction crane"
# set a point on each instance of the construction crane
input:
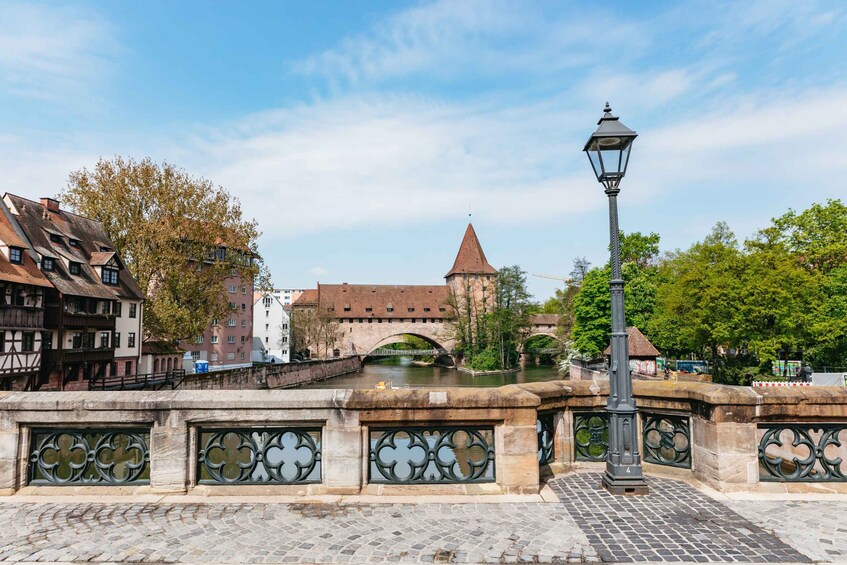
(555, 278)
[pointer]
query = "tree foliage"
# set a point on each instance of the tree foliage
(180, 236)
(314, 330)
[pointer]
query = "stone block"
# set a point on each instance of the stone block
(518, 473)
(341, 443)
(342, 471)
(516, 440)
(724, 437)
(715, 469)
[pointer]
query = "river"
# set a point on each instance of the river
(401, 373)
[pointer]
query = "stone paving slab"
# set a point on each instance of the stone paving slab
(675, 523)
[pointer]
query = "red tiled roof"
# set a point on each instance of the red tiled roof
(471, 258)
(26, 272)
(545, 319)
(639, 345)
(380, 301)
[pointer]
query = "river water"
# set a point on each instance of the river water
(401, 373)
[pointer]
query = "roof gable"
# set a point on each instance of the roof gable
(639, 345)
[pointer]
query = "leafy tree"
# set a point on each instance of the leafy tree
(817, 236)
(698, 306)
(643, 250)
(511, 315)
(180, 237)
(314, 330)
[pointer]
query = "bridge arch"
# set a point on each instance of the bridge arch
(441, 351)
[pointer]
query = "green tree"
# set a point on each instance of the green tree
(180, 236)
(817, 236)
(510, 320)
(698, 300)
(643, 250)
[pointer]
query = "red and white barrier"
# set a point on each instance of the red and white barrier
(778, 383)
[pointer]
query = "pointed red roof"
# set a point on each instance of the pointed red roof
(639, 345)
(471, 258)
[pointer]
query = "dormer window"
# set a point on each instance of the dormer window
(55, 238)
(16, 255)
(48, 264)
(369, 309)
(105, 249)
(73, 242)
(110, 276)
(74, 268)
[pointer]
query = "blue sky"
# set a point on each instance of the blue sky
(358, 134)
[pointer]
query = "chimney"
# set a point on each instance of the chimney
(51, 204)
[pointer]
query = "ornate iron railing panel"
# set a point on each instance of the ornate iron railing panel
(546, 432)
(444, 454)
(89, 456)
(248, 456)
(667, 440)
(591, 436)
(801, 452)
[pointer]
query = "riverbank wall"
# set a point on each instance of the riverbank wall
(283, 375)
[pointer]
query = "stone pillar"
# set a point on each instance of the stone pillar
(342, 453)
(169, 453)
(9, 444)
(516, 452)
(724, 455)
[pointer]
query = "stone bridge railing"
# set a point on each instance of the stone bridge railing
(447, 441)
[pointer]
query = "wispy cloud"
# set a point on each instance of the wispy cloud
(318, 271)
(51, 52)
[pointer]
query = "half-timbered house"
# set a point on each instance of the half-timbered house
(22, 288)
(93, 312)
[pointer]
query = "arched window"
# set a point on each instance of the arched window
(156, 366)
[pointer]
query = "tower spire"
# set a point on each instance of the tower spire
(471, 258)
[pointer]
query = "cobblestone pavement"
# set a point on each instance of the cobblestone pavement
(291, 533)
(675, 523)
(816, 528)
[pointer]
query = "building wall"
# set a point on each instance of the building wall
(270, 324)
(228, 341)
(124, 325)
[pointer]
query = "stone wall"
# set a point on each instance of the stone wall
(284, 375)
(725, 432)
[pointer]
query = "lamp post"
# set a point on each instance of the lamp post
(608, 149)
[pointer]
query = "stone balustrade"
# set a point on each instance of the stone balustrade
(413, 441)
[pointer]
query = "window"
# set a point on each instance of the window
(426, 309)
(369, 309)
(233, 273)
(128, 367)
(267, 340)
(116, 308)
(28, 341)
(130, 339)
(109, 276)
(243, 323)
(410, 309)
(243, 290)
(230, 356)
(74, 268)
(200, 339)
(231, 322)
(379, 320)
(285, 352)
(76, 340)
(73, 242)
(243, 338)
(232, 288)
(16, 255)
(105, 307)
(214, 357)
(267, 327)
(285, 326)
(133, 310)
(232, 305)
(242, 356)
(214, 339)
(104, 249)
(243, 307)
(267, 313)
(104, 339)
(195, 355)
(390, 309)
(230, 339)
(284, 339)
(48, 264)
(442, 309)
(214, 321)
(55, 238)
(2, 342)
(117, 340)
(46, 339)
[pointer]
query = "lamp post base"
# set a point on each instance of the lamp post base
(632, 487)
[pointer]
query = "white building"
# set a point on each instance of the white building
(271, 330)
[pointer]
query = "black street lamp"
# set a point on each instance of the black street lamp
(608, 150)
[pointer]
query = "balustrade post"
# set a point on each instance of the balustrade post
(169, 452)
(342, 453)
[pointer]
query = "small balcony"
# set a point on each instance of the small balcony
(21, 317)
(54, 317)
(91, 355)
